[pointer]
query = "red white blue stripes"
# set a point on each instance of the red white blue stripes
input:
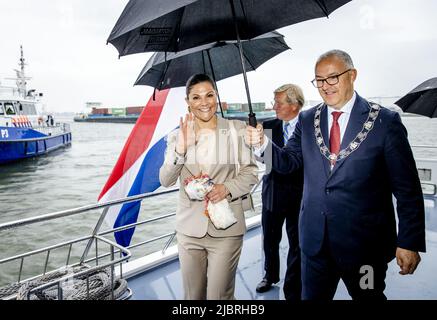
(137, 168)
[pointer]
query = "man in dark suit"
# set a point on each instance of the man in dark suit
(281, 197)
(355, 156)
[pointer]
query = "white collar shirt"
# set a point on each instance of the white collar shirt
(292, 125)
(343, 120)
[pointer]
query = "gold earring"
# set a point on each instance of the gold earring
(189, 109)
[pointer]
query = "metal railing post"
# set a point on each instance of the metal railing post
(112, 273)
(167, 244)
(21, 270)
(47, 261)
(60, 294)
(69, 254)
(97, 254)
(95, 231)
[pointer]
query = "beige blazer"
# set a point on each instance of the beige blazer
(190, 217)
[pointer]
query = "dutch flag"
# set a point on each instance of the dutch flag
(137, 168)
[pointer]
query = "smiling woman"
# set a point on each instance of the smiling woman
(208, 254)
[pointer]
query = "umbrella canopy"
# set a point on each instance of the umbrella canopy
(220, 60)
(176, 25)
(421, 100)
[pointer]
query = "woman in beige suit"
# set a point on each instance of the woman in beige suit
(208, 256)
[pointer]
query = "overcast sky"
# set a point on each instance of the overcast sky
(393, 44)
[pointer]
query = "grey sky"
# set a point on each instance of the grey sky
(393, 44)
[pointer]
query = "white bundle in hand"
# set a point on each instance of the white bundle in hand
(221, 214)
(197, 188)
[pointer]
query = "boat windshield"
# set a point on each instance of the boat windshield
(28, 109)
(2, 110)
(9, 108)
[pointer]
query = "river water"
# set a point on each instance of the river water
(74, 176)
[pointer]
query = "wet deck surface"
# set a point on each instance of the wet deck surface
(164, 282)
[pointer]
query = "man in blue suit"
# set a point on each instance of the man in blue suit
(355, 156)
(281, 197)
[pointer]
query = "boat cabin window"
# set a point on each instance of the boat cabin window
(9, 108)
(28, 109)
(2, 110)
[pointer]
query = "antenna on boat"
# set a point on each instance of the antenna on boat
(21, 77)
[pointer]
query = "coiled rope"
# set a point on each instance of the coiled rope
(97, 287)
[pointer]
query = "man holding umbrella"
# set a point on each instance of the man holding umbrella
(355, 156)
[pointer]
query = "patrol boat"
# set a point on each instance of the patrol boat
(24, 132)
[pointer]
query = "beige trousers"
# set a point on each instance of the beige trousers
(208, 266)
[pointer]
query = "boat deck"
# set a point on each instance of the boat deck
(163, 282)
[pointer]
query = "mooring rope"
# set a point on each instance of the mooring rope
(97, 287)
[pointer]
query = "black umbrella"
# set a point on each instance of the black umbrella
(220, 60)
(176, 25)
(421, 100)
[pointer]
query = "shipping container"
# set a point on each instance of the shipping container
(134, 110)
(256, 106)
(234, 107)
(118, 111)
(99, 111)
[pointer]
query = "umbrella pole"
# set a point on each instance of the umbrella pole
(252, 117)
(215, 83)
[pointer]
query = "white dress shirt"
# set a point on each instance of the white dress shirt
(343, 120)
(292, 125)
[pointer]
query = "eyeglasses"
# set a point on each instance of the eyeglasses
(332, 80)
(279, 103)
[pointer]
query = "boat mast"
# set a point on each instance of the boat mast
(21, 78)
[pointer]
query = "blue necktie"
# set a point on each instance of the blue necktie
(285, 132)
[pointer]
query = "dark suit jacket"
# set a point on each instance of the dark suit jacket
(354, 201)
(280, 191)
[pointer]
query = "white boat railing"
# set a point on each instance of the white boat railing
(95, 239)
(116, 253)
